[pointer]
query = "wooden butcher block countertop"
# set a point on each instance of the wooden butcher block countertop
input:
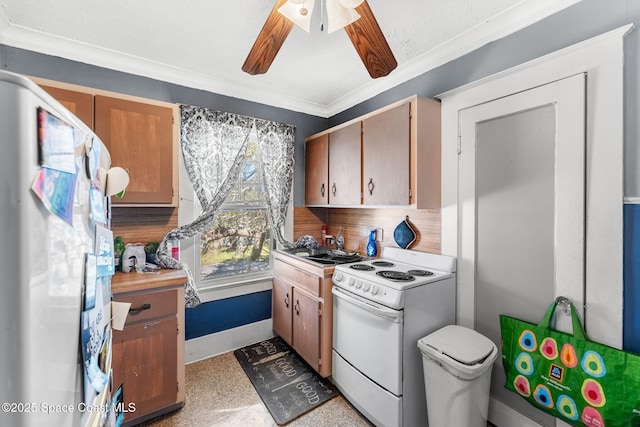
(131, 282)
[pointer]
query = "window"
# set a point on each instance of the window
(237, 246)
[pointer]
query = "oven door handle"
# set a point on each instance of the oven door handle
(370, 307)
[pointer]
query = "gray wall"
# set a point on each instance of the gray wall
(582, 21)
(55, 68)
(586, 19)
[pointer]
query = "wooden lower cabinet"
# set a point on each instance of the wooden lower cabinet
(148, 354)
(302, 310)
(281, 310)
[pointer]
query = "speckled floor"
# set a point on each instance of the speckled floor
(219, 394)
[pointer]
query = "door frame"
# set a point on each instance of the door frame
(602, 59)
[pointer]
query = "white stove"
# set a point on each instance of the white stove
(384, 280)
(381, 308)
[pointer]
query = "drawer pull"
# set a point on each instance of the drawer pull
(286, 301)
(140, 309)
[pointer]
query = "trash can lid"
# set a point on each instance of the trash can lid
(463, 349)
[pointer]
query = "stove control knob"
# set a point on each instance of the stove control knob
(358, 284)
(351, 281)
(366, 286)
(337, 276)
(374, 290)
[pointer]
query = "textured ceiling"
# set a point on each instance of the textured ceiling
(203, 43)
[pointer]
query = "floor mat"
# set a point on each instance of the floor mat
(286, 383)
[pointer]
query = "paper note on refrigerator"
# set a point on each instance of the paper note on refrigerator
(56, 190)
(104, 251)
(56, 143)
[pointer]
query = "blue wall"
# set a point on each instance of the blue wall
(632, 278)
(216, 316)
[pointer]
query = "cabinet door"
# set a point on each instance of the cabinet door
(282, 301)
(79, 103)
(306, 327)
(385, 157)
(345, 165)
(317, 171)
(139, 137)
(144, 361)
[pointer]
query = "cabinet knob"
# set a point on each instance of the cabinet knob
(370, 186)
(322, 190)
(333, 189)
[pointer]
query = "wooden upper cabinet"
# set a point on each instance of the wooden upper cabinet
(140, 138)
(388, 157)
(345, 168)
(385, 157)
(317, 171)
(79, 103)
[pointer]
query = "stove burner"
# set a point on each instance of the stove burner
(396, 276)
(422, 273)
(382, 264)
(362, 267)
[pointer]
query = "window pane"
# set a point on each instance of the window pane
(238, 242)
(248, 190)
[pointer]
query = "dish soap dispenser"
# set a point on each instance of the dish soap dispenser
(372, 249)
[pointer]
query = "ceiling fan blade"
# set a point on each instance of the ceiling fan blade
(366, 36)
(268, 43)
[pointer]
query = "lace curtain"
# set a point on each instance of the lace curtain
(213, 146)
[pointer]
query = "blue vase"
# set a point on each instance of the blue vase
(372, 250)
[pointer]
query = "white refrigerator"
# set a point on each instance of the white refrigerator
(55, 264)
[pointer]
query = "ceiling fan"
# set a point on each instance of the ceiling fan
(355, 16)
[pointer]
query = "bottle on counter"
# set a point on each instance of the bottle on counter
(173, 246)
(340, 240)
(372, 249)
(324, 235)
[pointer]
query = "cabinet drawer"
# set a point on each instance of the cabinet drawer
(150, 305)
(296, 277)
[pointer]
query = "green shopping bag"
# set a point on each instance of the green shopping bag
(582, 382)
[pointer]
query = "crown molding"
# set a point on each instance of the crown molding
(508, 22)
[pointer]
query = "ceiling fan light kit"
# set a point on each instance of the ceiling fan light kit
(339, 15)
(355, 16)
(298, 12)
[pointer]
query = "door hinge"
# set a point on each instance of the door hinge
(319, 311)
(459, 144)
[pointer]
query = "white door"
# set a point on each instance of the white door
(522, 210)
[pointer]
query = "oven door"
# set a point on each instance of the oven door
(369, 337)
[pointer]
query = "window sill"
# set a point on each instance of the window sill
(234, 289)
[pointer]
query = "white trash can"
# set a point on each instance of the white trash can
(457, 364)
